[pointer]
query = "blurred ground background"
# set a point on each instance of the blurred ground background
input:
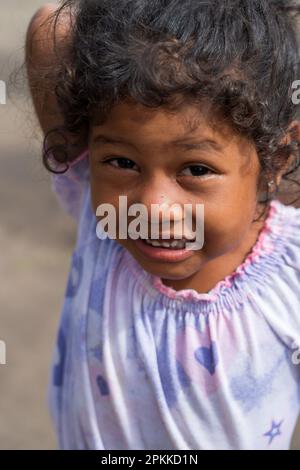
(36, 240)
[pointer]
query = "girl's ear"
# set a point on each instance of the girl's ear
(292, 134)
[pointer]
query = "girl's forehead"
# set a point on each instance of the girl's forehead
(190, 119)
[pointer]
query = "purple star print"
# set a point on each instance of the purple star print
(274, 431)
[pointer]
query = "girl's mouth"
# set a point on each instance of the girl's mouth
(164, 250)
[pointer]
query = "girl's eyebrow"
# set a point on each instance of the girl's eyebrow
(185, 143)
(206, 143)
(102, 139)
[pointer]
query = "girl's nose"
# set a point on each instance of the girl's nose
(161, 192)
(158, 190)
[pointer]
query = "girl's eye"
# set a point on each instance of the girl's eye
(127, 164)
(121, 163)
(198, 170)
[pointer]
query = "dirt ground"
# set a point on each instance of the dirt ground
(36, 240)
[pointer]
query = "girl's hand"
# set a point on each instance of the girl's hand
(40, 63)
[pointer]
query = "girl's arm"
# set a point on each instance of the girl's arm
(40, 60)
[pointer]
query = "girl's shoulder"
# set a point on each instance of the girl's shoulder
(70, 186)
(278, 250)
(287, 227)
(278, 298)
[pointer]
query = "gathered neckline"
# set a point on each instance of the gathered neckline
(265, 252)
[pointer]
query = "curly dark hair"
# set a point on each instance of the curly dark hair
(241, 55)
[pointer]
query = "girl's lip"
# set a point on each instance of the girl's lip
(162, 254)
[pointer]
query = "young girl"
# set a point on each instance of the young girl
(175, 101)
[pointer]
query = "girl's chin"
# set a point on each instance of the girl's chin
(172, 271)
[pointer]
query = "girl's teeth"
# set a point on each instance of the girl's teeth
(179, 244)
(166, 244)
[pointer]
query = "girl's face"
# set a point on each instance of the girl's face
(153, 157)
